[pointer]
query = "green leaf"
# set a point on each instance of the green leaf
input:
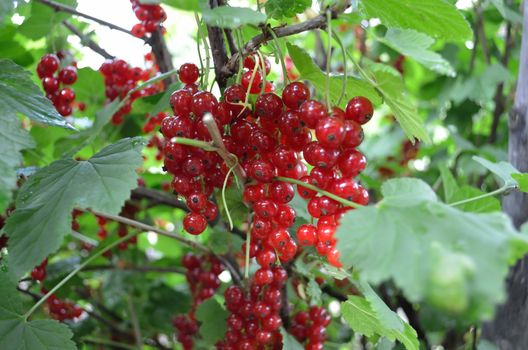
(13, 139)
(213, 321)
(45, 202)
(284, 9)
(17, 333)
(362, 318)
(480, 88)
(416, 45)
(232, 17)
(437, 18)
(522, 181)
(506, 12)
(19, 94)
(391, 87)
(68, 146)
(42, 19)
(456, 261)
(503, 170)
(309, 71)
(89, 89)
(483, 205)
(11, 47)
(186, 5)
(222, 242)
(314, 292)
(407, 191)
(289, 342)
(5, 9)
(448, 183)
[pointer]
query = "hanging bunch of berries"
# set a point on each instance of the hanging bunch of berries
(120, 78)
(151, 17)
(202, 277)
(56, 81)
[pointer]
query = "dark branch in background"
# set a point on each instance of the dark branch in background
(86, 41)
(218, 49)
(176, 269)
(481, 33)
(500, 99)
(162, 54)
(508, 329)
(414, 320)
(315, 23)
(156, 197)
(64, 8)
(230, 41)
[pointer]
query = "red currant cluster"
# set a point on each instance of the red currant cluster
(195, 172)
(120, 78)
(202, 277)
(150, 16)
(61, 97)
(63, 310)
(310, 327)
(39, 272)
(252, 79)
(254, 321)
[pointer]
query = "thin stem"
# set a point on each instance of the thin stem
(328, 57)
(489, 194)
(198, 40)
(224, 186)
(85, 40)
(75, 271)
(253, 74)
(206, 146)
(345, 72)
(145, 227)
(262, 68)
(136, 268)
(221, 149)
(64, 8)
(135, 323)
(248, 244)
(98, 341)
(285, 79)
(318, 190)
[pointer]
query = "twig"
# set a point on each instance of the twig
(86, 41)
(136, 268)
(162, 54)
(158, 197)
(480, 31)
(135, 323)
(195, 245)
(315, 23)
(229, 158)
(64, 8)
(218, 49)
(230, 41)
(500, 99)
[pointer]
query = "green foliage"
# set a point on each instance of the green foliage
(213, 321)
(284, 9)
(437, 18)
(32, 335)
(187, 5)
(19, 94)
(433, 252)
(289, 342)
(502, 170)
(43, 19)
(12, 48)
(312, 73)
(45, 202)
(232, 17)
(5, 9)
(13, 139)
(390, 86)
(416, 45)
(362, 318)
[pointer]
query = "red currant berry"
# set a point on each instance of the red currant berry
(194, 223)
(330, 132)
(188, 73)
(311, 112)
(307, 235)
(295, 94)
(359, 109)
